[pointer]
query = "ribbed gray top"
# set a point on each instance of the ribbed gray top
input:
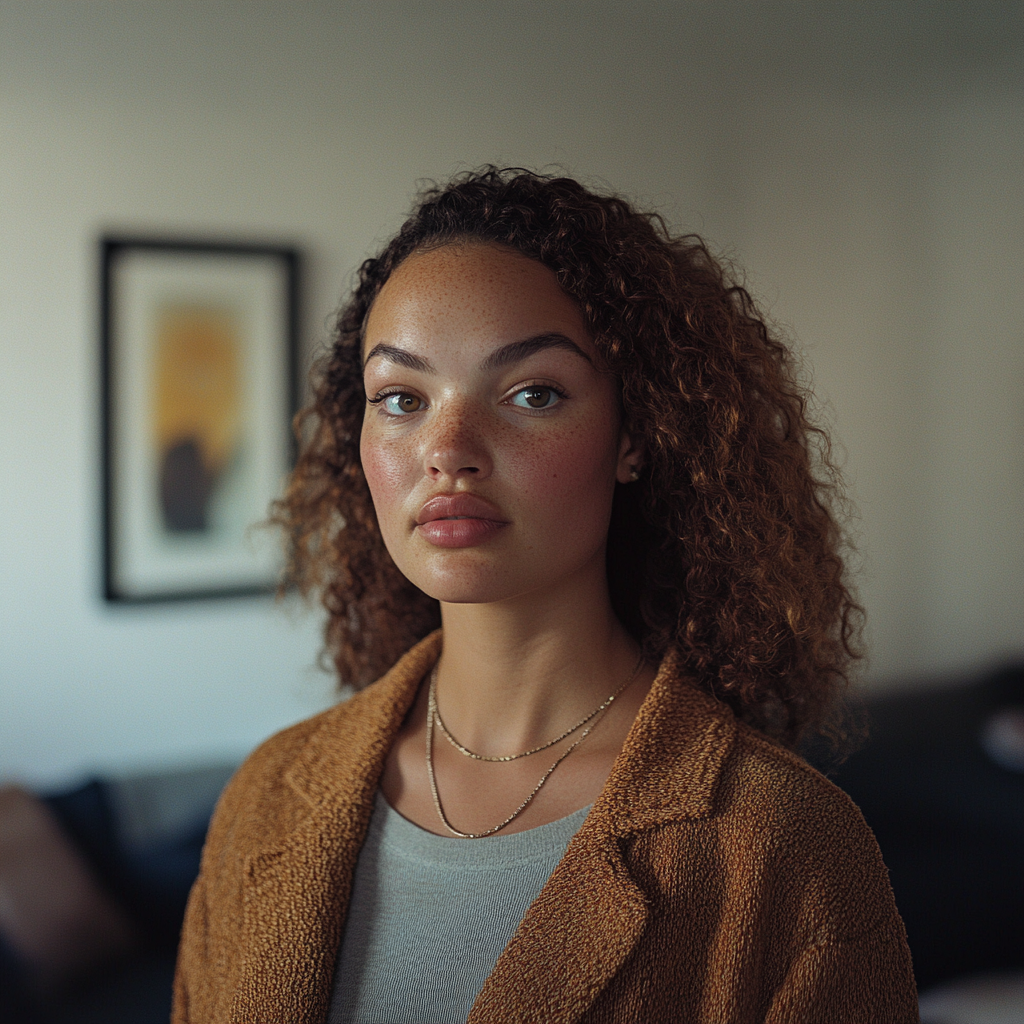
(429, 916)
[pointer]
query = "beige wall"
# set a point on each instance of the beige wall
(865, 163)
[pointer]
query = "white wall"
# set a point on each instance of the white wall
(864, 162)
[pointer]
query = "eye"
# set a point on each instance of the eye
(536, 396)
(399, 403)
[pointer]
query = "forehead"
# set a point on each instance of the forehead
(471, 291)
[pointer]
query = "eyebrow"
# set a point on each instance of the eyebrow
(400, 356)
(517, 351)
(507, 355)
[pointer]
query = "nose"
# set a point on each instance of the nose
(456, 445)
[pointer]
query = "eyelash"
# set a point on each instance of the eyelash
(381, 395)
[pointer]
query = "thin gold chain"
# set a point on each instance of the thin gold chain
(536, 750)
(433, 716)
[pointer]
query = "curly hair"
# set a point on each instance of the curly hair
(728, 554)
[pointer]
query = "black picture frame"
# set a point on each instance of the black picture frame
(199, 343)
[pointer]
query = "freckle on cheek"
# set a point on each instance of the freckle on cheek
(381, 472)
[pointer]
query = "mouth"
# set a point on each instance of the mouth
(459, 506)
(458, 520)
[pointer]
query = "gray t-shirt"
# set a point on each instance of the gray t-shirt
(429, 916)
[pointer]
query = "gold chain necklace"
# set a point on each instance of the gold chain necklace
(433, 716)
(536, 750)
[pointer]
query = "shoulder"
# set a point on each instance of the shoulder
(259, 800)
(766, 785)
(265, 767)
(701, 792)
(805, 840)
(321, 759)
(694, 761)
(689, 759)
(262, 798)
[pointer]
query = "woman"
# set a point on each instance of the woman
(568, 439)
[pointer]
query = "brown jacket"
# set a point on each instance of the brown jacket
(718, 878)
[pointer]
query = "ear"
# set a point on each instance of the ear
(630, 459)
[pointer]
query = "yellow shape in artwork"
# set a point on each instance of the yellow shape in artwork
(198, 381)
(197, 400)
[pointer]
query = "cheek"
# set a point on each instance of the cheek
(568, 478)
(385, 466)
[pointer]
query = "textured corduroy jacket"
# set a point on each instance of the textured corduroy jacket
(718, 879)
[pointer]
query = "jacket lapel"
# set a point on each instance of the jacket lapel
(296, 892)
(571, 943)
(591, 914)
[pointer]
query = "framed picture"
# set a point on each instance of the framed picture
(199, 364)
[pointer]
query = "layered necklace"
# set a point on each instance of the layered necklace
(434, 718)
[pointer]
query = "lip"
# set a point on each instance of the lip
(458, 520)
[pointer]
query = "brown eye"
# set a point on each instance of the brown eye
(402, 403)
(536, 397)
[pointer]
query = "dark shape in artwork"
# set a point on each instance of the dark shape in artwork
(185, 487)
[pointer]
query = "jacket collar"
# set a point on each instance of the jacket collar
(672, 759)
(574, 937)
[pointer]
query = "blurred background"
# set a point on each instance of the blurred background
(863, 162)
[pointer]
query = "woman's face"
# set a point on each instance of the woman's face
(492, 437)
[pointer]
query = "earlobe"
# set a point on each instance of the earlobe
(630, 461)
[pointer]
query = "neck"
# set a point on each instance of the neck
(515, 673)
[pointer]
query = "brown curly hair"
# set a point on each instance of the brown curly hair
(727, 554)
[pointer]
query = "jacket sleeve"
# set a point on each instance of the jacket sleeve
(191, 951)
(864, 981)
(256, 807)
(207, 965)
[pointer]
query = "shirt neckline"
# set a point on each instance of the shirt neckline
(399, 835)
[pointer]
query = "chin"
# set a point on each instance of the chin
(480, 580)
(461, 590)
(462, 577)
